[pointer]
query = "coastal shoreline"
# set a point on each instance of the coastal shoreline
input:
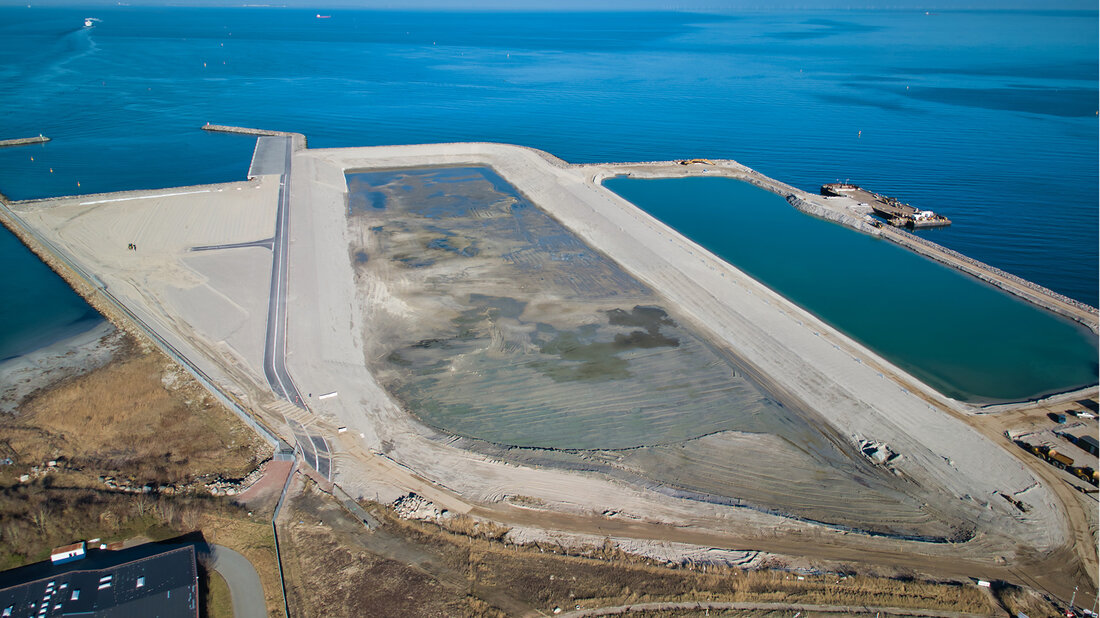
(23, 375)
(94, 291)
(377, 444)
(48, 336)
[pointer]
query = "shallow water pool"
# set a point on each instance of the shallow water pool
(966, 339)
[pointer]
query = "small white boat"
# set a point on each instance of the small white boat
(88, 22)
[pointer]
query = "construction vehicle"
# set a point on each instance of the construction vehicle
(1060, 460)
(1053, 457)
(1087, 474)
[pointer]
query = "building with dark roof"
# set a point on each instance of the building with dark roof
(149, 580)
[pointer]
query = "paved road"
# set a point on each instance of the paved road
(315, 450)
(275, 346)
(266, 243)
(267, 158)
(244, 582)
(314, 447)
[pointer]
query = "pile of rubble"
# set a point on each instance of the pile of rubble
(216, 487)
(38, 471)
(877, 452)
(413, 506)
(128, 486)
(223, 487)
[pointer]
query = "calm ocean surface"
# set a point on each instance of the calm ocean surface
(987, 117)
(39, 308)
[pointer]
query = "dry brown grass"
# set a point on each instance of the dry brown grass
(217, 601)
(130, 421)
(36, 517)
(465, 569)
(118, 420)
(330, 572)
(1015, 599)
(549, 580)
(251, 536)
(123, 420)
(346, 578)
(548, 576)
(464, 525)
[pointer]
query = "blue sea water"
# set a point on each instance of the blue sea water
(31, 290)
(987, 117)
(963, 337)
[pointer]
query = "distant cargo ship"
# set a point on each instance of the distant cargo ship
(896, 213)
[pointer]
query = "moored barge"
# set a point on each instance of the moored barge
(895, 213)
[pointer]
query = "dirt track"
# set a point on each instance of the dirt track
(785, 607)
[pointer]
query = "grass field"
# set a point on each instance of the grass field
(217, 602)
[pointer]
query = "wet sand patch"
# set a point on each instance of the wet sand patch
(515, 333)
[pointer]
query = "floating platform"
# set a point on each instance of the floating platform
(893, 211)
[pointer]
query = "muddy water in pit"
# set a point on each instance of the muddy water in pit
(499, 324)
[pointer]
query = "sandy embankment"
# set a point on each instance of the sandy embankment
(958, 467)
